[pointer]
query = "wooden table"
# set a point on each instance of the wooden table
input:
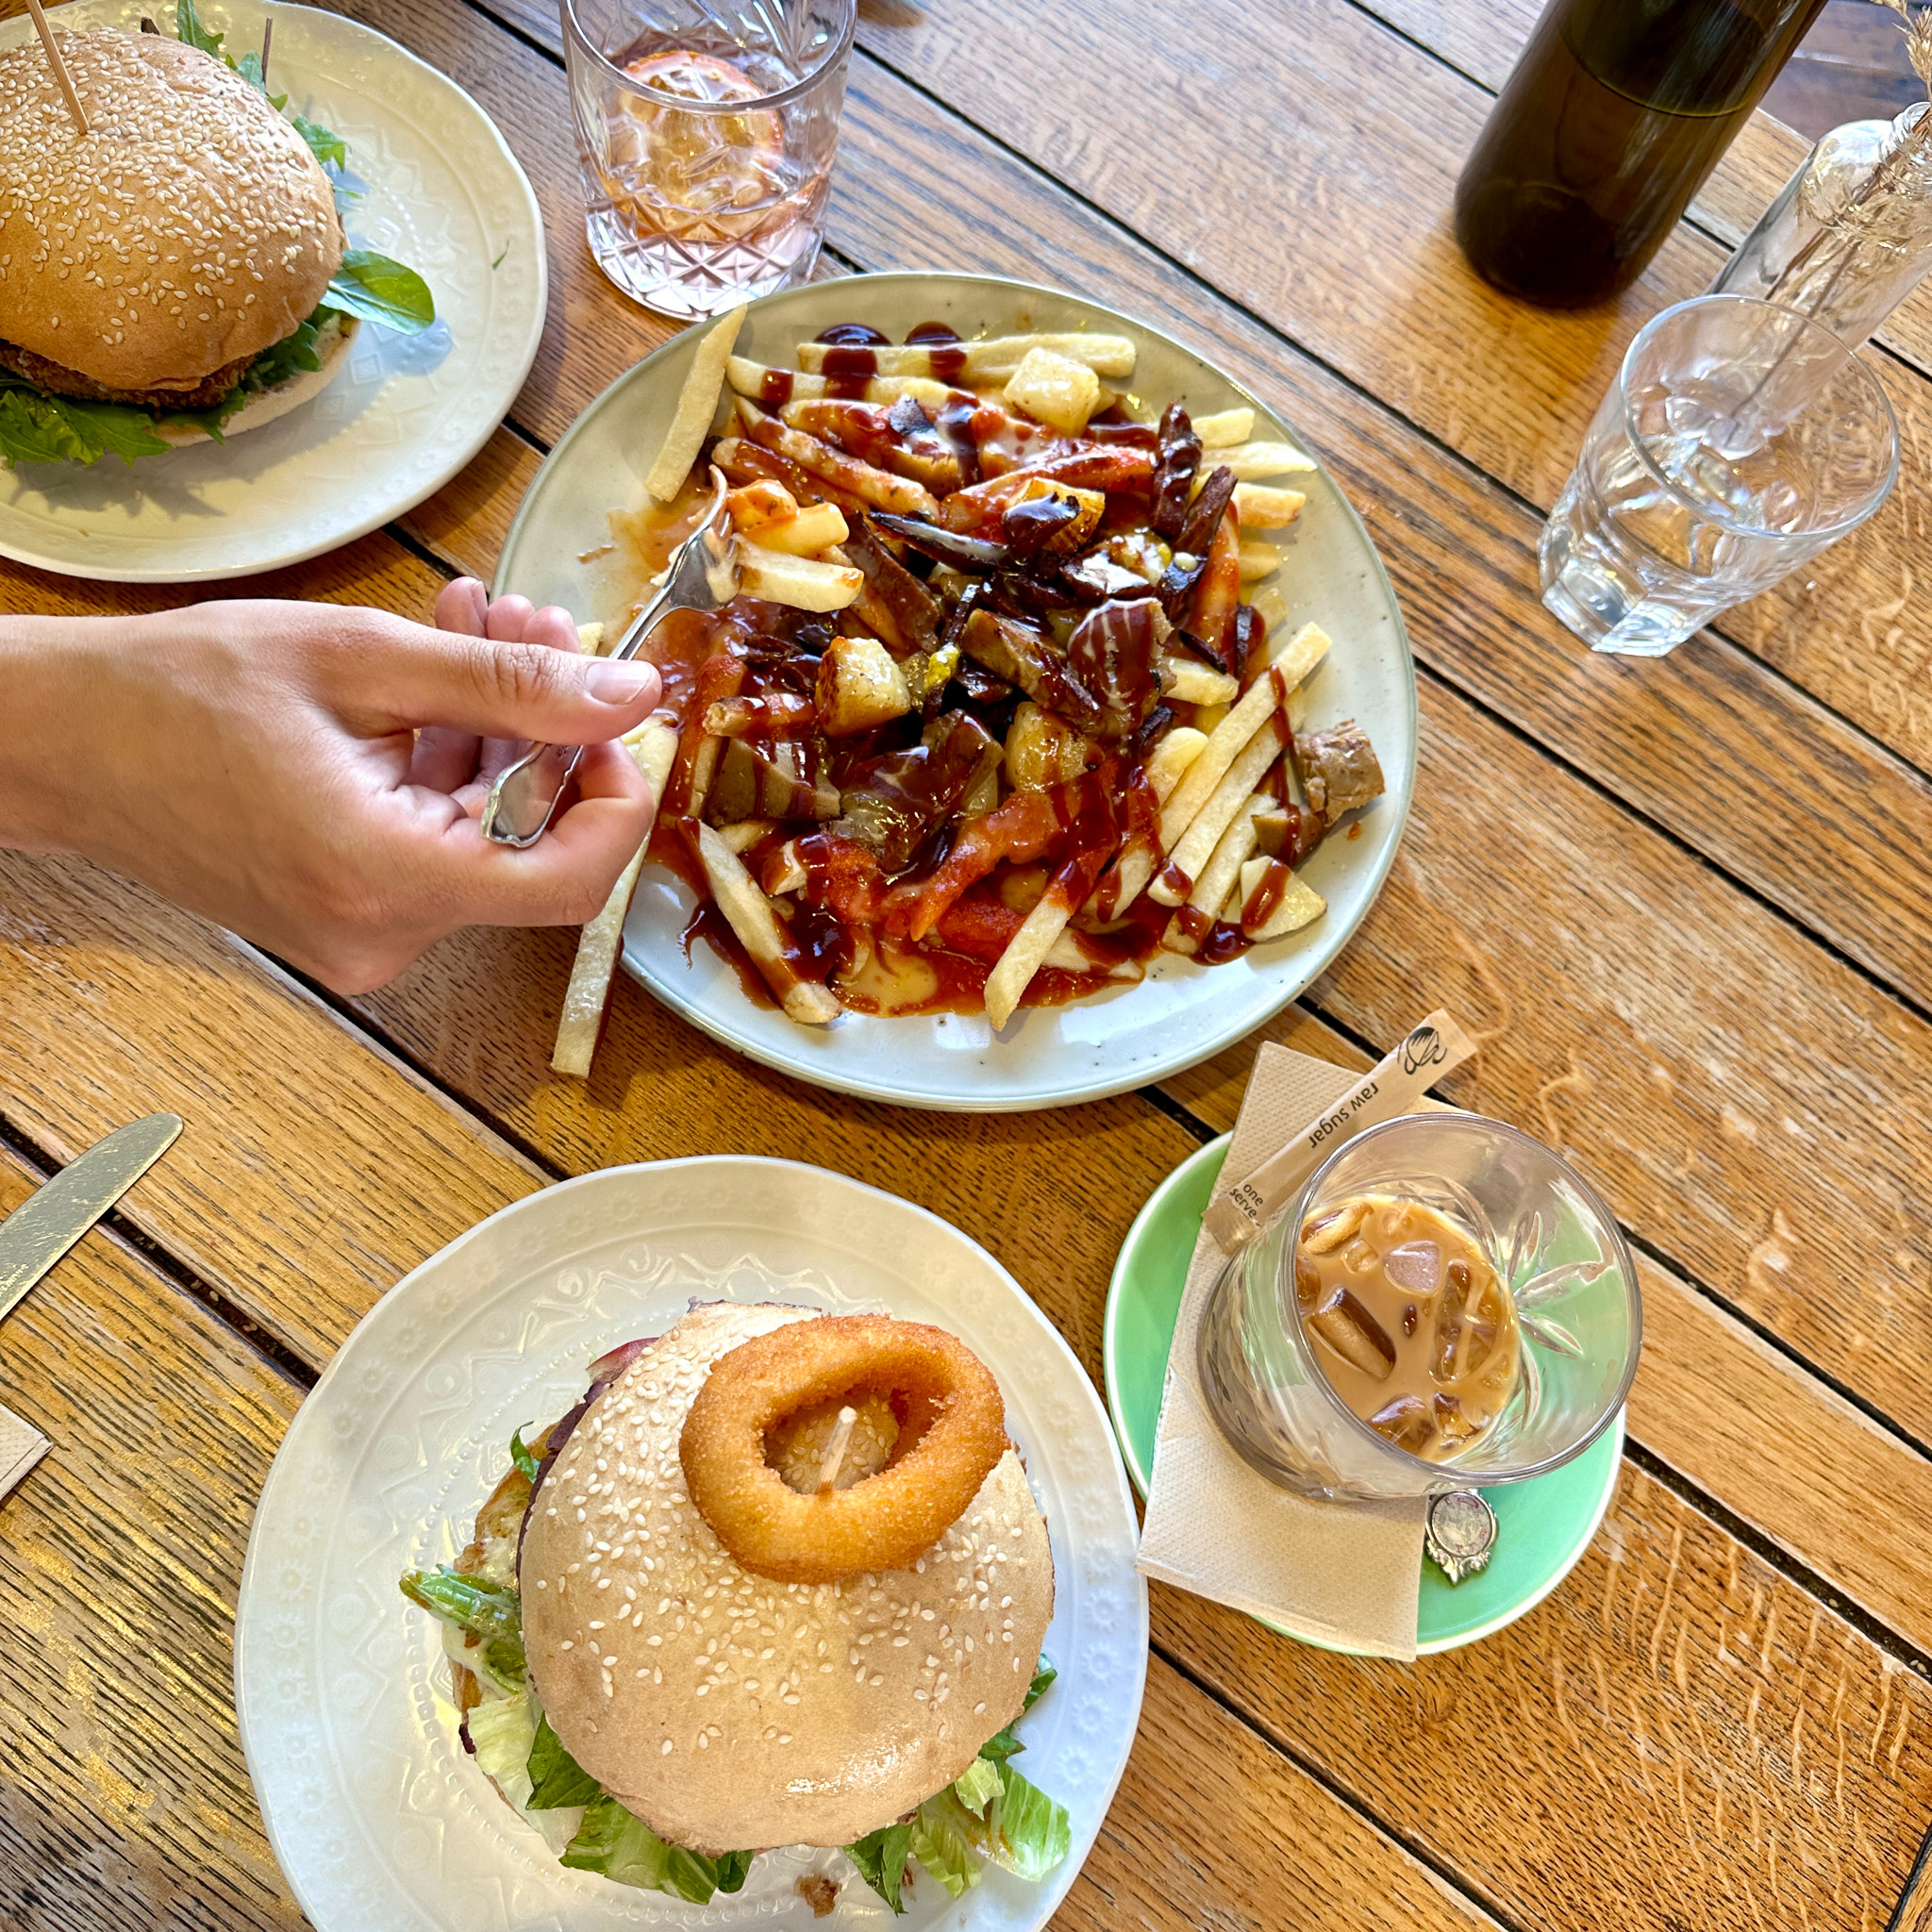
(1684, 900)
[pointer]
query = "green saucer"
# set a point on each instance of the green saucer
(1543, 1526)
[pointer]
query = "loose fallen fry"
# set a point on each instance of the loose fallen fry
(1289, 663)
(993, 356)
(802, 582)
(1298, 905)
(1225, 430)
(1195, 683)
(652, 745)
(1258, 507)
(1259, 560)
(776, 387)
(696, 406)
(761, 932)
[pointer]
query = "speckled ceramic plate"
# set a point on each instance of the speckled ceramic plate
(380, 1821)
(1047, 1057)
(439, 190)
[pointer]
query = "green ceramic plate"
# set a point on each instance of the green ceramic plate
(1545, 1525)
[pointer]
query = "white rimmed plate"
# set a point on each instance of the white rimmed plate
(1054, 1055)
(439, 190)
(380, 1821)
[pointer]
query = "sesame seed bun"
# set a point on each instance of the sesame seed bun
(270, 405)
(731, 1714)
(190, 228)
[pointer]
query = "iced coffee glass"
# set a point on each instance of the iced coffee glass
(1446, 1304)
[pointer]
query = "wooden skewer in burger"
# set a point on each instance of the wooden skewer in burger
(780, 1582)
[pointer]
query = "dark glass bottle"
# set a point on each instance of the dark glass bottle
(1616, 112)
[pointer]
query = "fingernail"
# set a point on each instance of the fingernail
(621, 683)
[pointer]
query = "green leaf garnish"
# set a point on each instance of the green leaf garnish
(327, 146)
(377, 289)
(36, 428)
(557, 1779)
(880, 1856)
(187, 25)
(621, 1847)
(491, 1612)
(521, 1457)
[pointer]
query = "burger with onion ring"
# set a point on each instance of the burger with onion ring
(778, 1580)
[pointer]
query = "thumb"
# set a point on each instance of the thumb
(411, 676)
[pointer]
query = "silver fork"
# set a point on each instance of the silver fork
(702, 576)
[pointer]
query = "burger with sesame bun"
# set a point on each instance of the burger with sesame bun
(671, 1653)
(178, 273)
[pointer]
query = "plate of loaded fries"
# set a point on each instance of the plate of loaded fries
(710, 1542)
(1059, 729)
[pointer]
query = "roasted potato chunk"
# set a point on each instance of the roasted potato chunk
(1041, 750)
(1054, 388)
(861, 686)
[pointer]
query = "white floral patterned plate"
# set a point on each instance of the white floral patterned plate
(439, 190)
(379, 1820)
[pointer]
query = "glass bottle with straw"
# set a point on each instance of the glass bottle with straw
(1850, 236)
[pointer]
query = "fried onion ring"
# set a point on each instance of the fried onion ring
(952, 1432)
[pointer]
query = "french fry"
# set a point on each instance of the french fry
(1225, 429)
(1219, 877)
(1259, 507)
(746, 833)
(1250, 461)
(992, 356)
(818, 528)
(1258, 561)
(1126, 879)
(1292, 660)
(1299, 904)
(1195, 683)
(1025, 952)
(878, 488)
(803, 582)
(761, 932)
(652, 745)
(1271, 607)
(696, 406)
(776, 387)
(1067, 954)
(1190, 857)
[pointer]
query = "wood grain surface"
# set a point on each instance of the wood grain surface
(1680, 901)
(124, 1802)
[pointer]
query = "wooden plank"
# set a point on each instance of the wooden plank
(1718, 1403)
(1677, 1737)
(1342, 242)
(312, 1172)
(1213, 1828)
(120, 1555)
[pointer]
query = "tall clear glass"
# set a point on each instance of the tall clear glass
(706, 134)
(1539, 1224)
(1738, 439)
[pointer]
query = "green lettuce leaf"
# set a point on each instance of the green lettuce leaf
(1030, 1834)
(880, 1856)
(503, 1731)
(187, 25)
(327, 146)
(375, 289)
(979, 1786)
(622, 1847)
(1002, 1745)
(1043, 1674)
(941, 1844)
(36, 428)
(249, 68)
(490, 1611)
(518, 1454)
(556, 1777)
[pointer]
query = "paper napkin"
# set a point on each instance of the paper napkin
(1342, 1573)
(21, 1447)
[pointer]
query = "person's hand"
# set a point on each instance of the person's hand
(262, 763)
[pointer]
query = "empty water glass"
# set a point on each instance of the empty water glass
(707, 131)
(1738, 441)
